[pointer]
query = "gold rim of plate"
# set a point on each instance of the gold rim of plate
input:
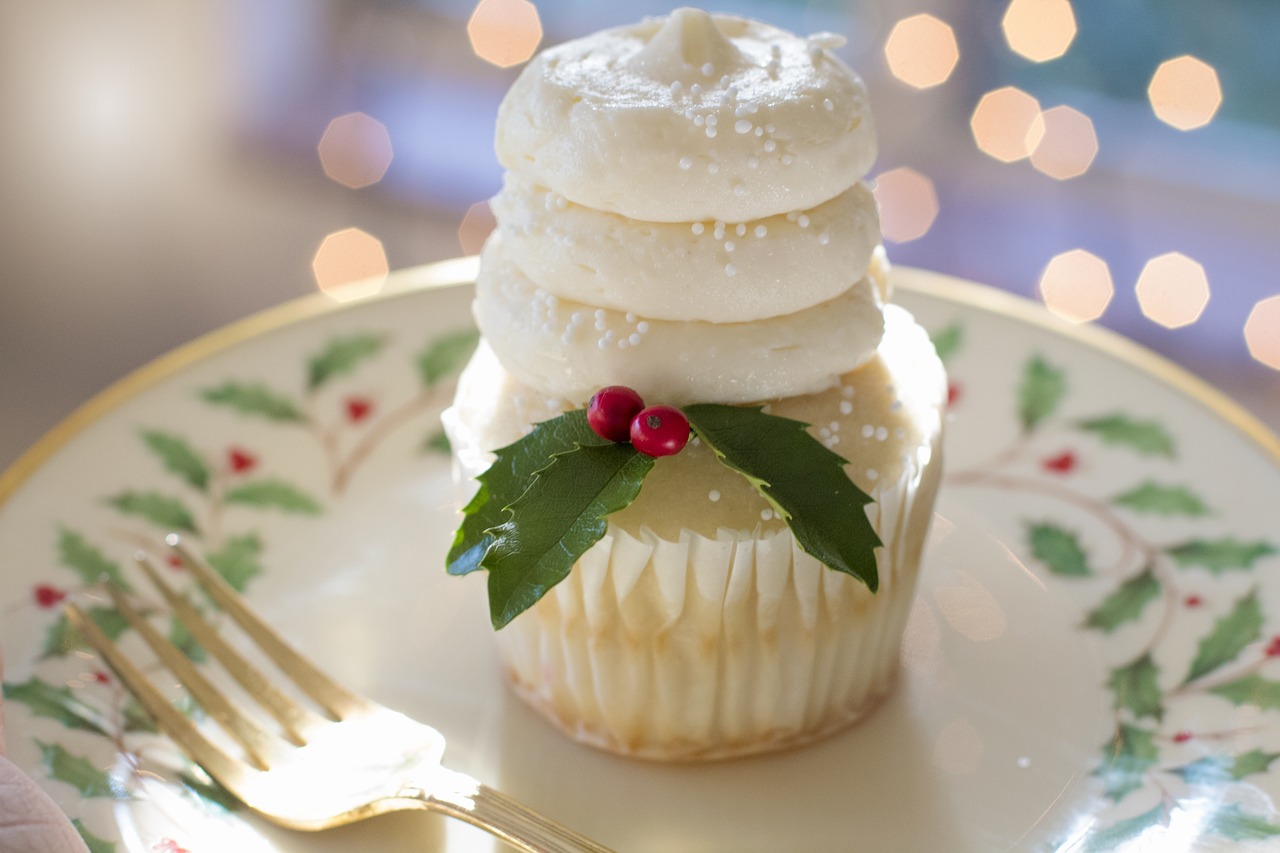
(461, 271)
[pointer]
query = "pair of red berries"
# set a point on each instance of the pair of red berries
(618, 413)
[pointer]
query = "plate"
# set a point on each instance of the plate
(1092, 662)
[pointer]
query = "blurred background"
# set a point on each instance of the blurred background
(166, 168)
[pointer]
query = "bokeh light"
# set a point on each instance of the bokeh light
(1067, 144)
(1076, 285)
(908, 204)
(504, 32)
(1185, 93)
(350, 264)
(355, 150)
(1262, 332)
(1172, 290)
(1039, 30)
(921, 51)
(475, 228)
(1006, 124)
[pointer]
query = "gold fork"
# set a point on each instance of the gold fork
(318, 771)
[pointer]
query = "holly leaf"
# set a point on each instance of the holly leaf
(947, 340)
(437, 442)
(445, 356)
(1059, 549)
(209, 790)
(1112, 837)
(258, 400)
(87, 561)
(1250, 690)
(62, 638)
(136, 718)
(91, 841)
(181, 637)
(341, 356)
(1230, 636)
(1126, 604)
(237, 560)
(76, 771)
(506, 480)
(1148, 438)
(803, 480)
(1232, 823)
(57, 703)
(1220, 555)
(556, 520)
(1136, 687)
(1164, 500)
(275, 494)
(1221, 768)
(179, 457)
(1040, 392)
(1128, 757)
(161, 510)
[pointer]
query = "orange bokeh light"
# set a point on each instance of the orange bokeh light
(1006, 124)
(475, 228)
(1172, 290)
(350, 264)
(908, 204)
(1262, 332)
(1185, 93)
(504, 32)
(1039, 30)
(355, 150)
(1067, 144)
(921, 51)
(1076, 285)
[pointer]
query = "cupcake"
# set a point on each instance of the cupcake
(684, 217)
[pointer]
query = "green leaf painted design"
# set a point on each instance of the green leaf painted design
(76, 771)
(257, 400)
(948, 340)
(1218, 769)
(1127, 603)
(1109, 839)
(167, 513)
(1127, 758)
(186, 643)
(208, 789)
(57, 703)
(1040, 392)
(136, 718)
(87, 561)
(445, 356)
(1148, 438)
(506, 480)
(1250, 690)
(1230, 635)
(1220, 555)
(1136, 688)
(1232, 823)
(1059, 549)
(179, 458)
(341, 356)
(238, 560)
(91, 841)
(61, 639)
(804, 481)
(437, 442)
(275, 494)
(560, 516)
(1163, 500)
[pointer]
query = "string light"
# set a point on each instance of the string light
(1185, 93)
(355, 150)
(908, 204)
(350, 264)
(1077, 286)
(921, 51)
(1172, 290)
(1007, 124)
(504, 32)
(1039, 30)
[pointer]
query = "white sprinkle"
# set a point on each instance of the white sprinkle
(634, 339)
(753, 109)
(824, 238)
(730, 270)
(739, 190)
(787, 159)
(759, 131)
(602, 343)
(791, 216)
(600, 325)
(731, 92)
(724, 81)
(742, 125)
(768, 128)
(847, 390)
(695, 89)
(868, 430)
(690, 112)
(824, 433)
(676, 85)
(708, 70)
(713, 496)
(711, 132)
(770, 146)
(1024, 762)
(761, 231)
(699, 121)
(753, 162)
(713, 120)
(741, 229)
(729, 245)
(686, 163)
(873, 474)
(576, 318)
(835, 426)
(695, 441)
(846, 408)
(833, 441)
(561, 202)
(882, 433)
(642, 327)
(609, 336)
(713, 167)
(719, 232)
(599, 315)
(552, 301)
(624, 343)
(802, 220)
(631, 317)
(828, 104)
(899, 433)
(698, 228)
(739, 112)
(567, 337)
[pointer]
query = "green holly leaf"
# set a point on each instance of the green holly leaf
(506, 480)
(181, 637)
(208, 789)
(1059, 549)
(76, 771)
(445, 356)
(1126, 604)
(163, 511)
(1165, 500)
(1127, 758)
(1220, 555)
(1232, 823)
(1111, 838)
(1040, 393)
(57, 703)
(437, 442)
(947, 340)
(1137, 688)
(93, 842)
(1148, 438)
(237, 560)
(258, 400)
(1221, 768)
(556, 520)
(88, 561)
(179, 458)
(136, 718)
(62, 638)
(1251, 690)
(804, 482)
(341, 356)
(1230, 636)
(275, 494)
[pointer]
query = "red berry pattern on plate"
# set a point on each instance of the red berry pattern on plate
(611, 411)
(660, 431)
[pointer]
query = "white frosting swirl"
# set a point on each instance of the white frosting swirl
(687, 118)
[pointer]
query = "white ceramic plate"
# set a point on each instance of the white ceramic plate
(1093, 662)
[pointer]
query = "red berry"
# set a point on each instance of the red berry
(240, 460)
(48, 596)
(954, 393)
(1063, 463)
(611, 410)
(1193, 601)
(358, 408)
(660, 431)
(1273, 648)
(101, 677)
(1182, 737)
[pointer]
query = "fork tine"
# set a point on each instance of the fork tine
(259, 745)
(295, 719)
(225, 768)
(333, 697)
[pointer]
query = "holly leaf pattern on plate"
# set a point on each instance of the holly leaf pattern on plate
(341, 356)
(1148, 438)
(91, 841)
(1152, 497)
(237, 561)
(1129, 755)
(1232, 633)
(1059, 549)
(1220, 555)
(76, 771)
(62, 638)
(1110, 839)
(57, 703)
(1127, 603)
(948, 340)
(445, 356)
(1042, 388)
(1233, 823)
(1221, 768)
(1250, 690)
(255, 399)
(87, 561)
(275, 494)
(178, 457)
(166, 512)
(1136, 687)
